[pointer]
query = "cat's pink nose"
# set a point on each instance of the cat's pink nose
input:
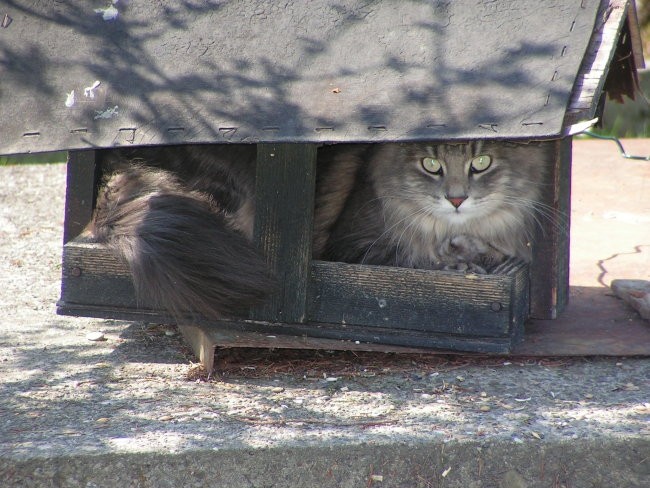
(456, 201)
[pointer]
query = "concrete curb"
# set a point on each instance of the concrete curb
(587, 463)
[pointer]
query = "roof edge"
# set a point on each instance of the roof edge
(610, 64)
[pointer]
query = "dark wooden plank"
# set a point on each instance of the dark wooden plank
(636, 39)
(413, 299)
(112, 312)
(93, 276)
(386, 335)
(205, 339)
(284, 206)
(234, 335)
(81, 187)
(97, 284)
(550, 268)
(519, 303)
(293, 333)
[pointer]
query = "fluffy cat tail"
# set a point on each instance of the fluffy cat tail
(182, 254)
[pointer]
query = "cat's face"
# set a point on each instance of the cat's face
(458, 185)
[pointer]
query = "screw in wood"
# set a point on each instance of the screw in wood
(496, 306)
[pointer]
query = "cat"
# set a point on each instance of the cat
(445, 206)
(181, 217)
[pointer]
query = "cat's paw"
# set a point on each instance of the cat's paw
(470, 254)
(465, 268)
(461, 249)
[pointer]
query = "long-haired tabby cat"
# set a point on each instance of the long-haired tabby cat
(181, 217)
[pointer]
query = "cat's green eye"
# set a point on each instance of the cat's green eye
(432, 165)
(480, 163)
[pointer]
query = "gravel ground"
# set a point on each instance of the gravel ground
(135, 410)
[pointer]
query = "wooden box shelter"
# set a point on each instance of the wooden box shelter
(89, 75)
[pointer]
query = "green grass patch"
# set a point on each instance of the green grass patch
(631, 118)
(40, 158)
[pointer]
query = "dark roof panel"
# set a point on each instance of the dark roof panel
(85, 73)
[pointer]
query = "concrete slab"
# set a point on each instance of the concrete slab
(133, 410)
(610, 239)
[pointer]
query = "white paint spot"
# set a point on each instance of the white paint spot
(108, 13)
(106, 114)
(96, 336)
(70, 99)
(89, 91)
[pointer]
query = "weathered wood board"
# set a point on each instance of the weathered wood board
(372, 304)
(284, 194)
(550, 267)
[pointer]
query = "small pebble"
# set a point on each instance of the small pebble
(485, 408)
(96, 336)
(165, 418)
(277, 389)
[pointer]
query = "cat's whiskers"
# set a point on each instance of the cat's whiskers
(415, 227)
(538, 212)
(387, 231)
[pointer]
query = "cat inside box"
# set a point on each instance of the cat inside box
(182, 217)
